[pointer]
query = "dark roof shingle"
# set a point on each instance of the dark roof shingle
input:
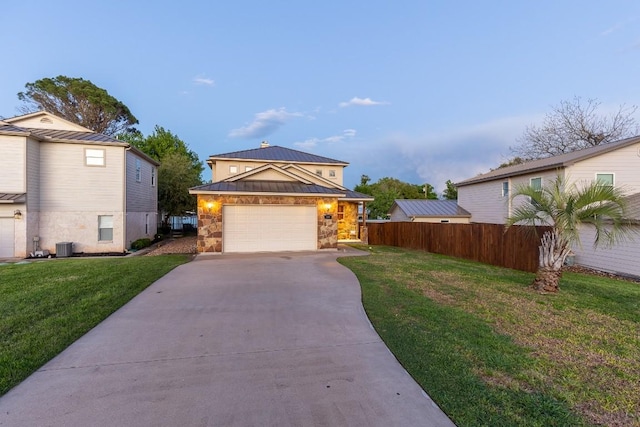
(277, 153)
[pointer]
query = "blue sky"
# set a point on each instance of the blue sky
(423, 91)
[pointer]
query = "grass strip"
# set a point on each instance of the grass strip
(47, 305)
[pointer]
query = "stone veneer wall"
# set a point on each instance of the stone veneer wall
(210, 218)
(349, 222)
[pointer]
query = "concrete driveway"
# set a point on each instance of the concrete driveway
(230, 340)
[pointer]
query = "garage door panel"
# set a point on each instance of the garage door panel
(7, 235)
(269, 228)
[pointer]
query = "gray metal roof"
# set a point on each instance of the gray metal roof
(285, 187)
(9, 128)
(70, 135)
(633, 207)
(550, 163)
(12, 197)
(277, 153)
(424, 208)
(354, 195)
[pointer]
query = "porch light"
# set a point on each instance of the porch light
(209, 206)
(327, 206)
(17, 214)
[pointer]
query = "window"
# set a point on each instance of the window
(340, 212)
(247, 168)
(505, 189)
(605, 179)
(536, 183)
(319, 172)
(233, 169)
(105, 227)
(138, 170)
(153, 176)
(332, 173)
(94, 157)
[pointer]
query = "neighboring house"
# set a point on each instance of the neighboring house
(61, 182)
(486, 196)
(276, 199)
(421, 210)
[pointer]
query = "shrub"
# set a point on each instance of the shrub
(141, 244)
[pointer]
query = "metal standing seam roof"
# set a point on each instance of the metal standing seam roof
(277, 153)
(633, 207)
(287, 187)
(426, 208)
(553, 162)
(12, 197)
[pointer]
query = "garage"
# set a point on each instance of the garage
(269, 228)
(7, 237)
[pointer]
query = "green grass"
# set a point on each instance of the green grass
(47, 305)
(490, 351)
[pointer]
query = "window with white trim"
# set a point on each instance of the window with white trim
(505, 189)
(247, 168)
(153, 176)
(536, 183)
(138, 170)
(605, 179)
(105, 228)
(233, 169)
(332, 173)
(94, 157)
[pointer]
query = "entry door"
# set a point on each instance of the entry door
(7, 236)
(271, 228)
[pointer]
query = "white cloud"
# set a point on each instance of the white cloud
(200, 80)
(434, 158)
(264, 123)
(362, 102)
(313, 142)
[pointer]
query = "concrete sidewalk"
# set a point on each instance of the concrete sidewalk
(243, 340)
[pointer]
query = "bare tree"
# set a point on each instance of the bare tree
(572, 126)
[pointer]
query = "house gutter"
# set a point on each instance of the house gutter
(124, 198)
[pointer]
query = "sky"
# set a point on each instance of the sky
(419, 90)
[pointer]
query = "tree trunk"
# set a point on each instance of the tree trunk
(547, 280)
(552, 253)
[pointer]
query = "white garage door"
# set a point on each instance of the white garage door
(260, 228)
(6, 238)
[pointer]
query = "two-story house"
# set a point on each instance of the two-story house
(276, 199)
(487, 196)
(63, 183)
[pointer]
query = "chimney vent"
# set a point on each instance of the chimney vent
(264, 144)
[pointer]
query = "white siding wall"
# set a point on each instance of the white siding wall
(623, 258)
(67, 185)
(12, 164)
(141, 196)
(624, 163)
(485, 202)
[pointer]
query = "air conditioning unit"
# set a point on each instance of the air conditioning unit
(64, 249)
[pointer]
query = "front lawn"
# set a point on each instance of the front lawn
(47, 305)
(490, 351)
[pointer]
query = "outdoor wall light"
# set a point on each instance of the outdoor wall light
(327, 206)
(209, 206)
(17, 214)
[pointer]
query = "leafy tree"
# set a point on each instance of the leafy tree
(78, 101)
(387, 189)
(565, 208)
(180, 169)
(511, 162)
(451, 192)
(573, 126)
(176, 175)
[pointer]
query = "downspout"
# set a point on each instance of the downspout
(124, 199)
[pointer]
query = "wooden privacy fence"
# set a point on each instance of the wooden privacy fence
(488, 243)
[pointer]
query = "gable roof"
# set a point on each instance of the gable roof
(430, 208)
(549, 163)
(18, 119)
(67, 136)
(275, 153)
(304, 172)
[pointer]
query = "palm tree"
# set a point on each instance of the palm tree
(564, 207)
